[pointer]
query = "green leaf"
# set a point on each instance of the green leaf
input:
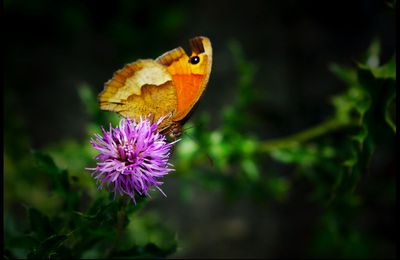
(387, 71)
(352, 104)
(59, 178)
(372, 55)
(86, 216)
(49, 248)
(250, 169)
(40, 223)
(54, 242)
(361, 135)
(347, 74)
(301, 154)
(45, 162)
(351, 158)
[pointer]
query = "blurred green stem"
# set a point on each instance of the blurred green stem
(120, 225)
(303, 136)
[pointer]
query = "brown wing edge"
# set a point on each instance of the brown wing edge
(169, 57)
(117, 80)
(202, 44)
(196, 44)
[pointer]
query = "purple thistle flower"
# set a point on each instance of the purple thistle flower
(132, 157)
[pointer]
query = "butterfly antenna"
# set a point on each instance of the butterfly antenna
(187, 128)
(185, 133)
(188, 135)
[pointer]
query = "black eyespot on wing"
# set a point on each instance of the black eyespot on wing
(194, 59)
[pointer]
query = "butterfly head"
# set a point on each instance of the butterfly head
(174, 131)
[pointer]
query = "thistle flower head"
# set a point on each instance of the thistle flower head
(133, 157)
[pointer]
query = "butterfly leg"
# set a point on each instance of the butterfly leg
(151, 118)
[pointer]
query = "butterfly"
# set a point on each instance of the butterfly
(170, 86)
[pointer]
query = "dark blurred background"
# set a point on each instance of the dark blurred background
(52, 47)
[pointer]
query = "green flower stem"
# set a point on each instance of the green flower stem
(321, 129)
(121, 214)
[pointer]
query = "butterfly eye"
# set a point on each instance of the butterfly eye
(194, 60)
